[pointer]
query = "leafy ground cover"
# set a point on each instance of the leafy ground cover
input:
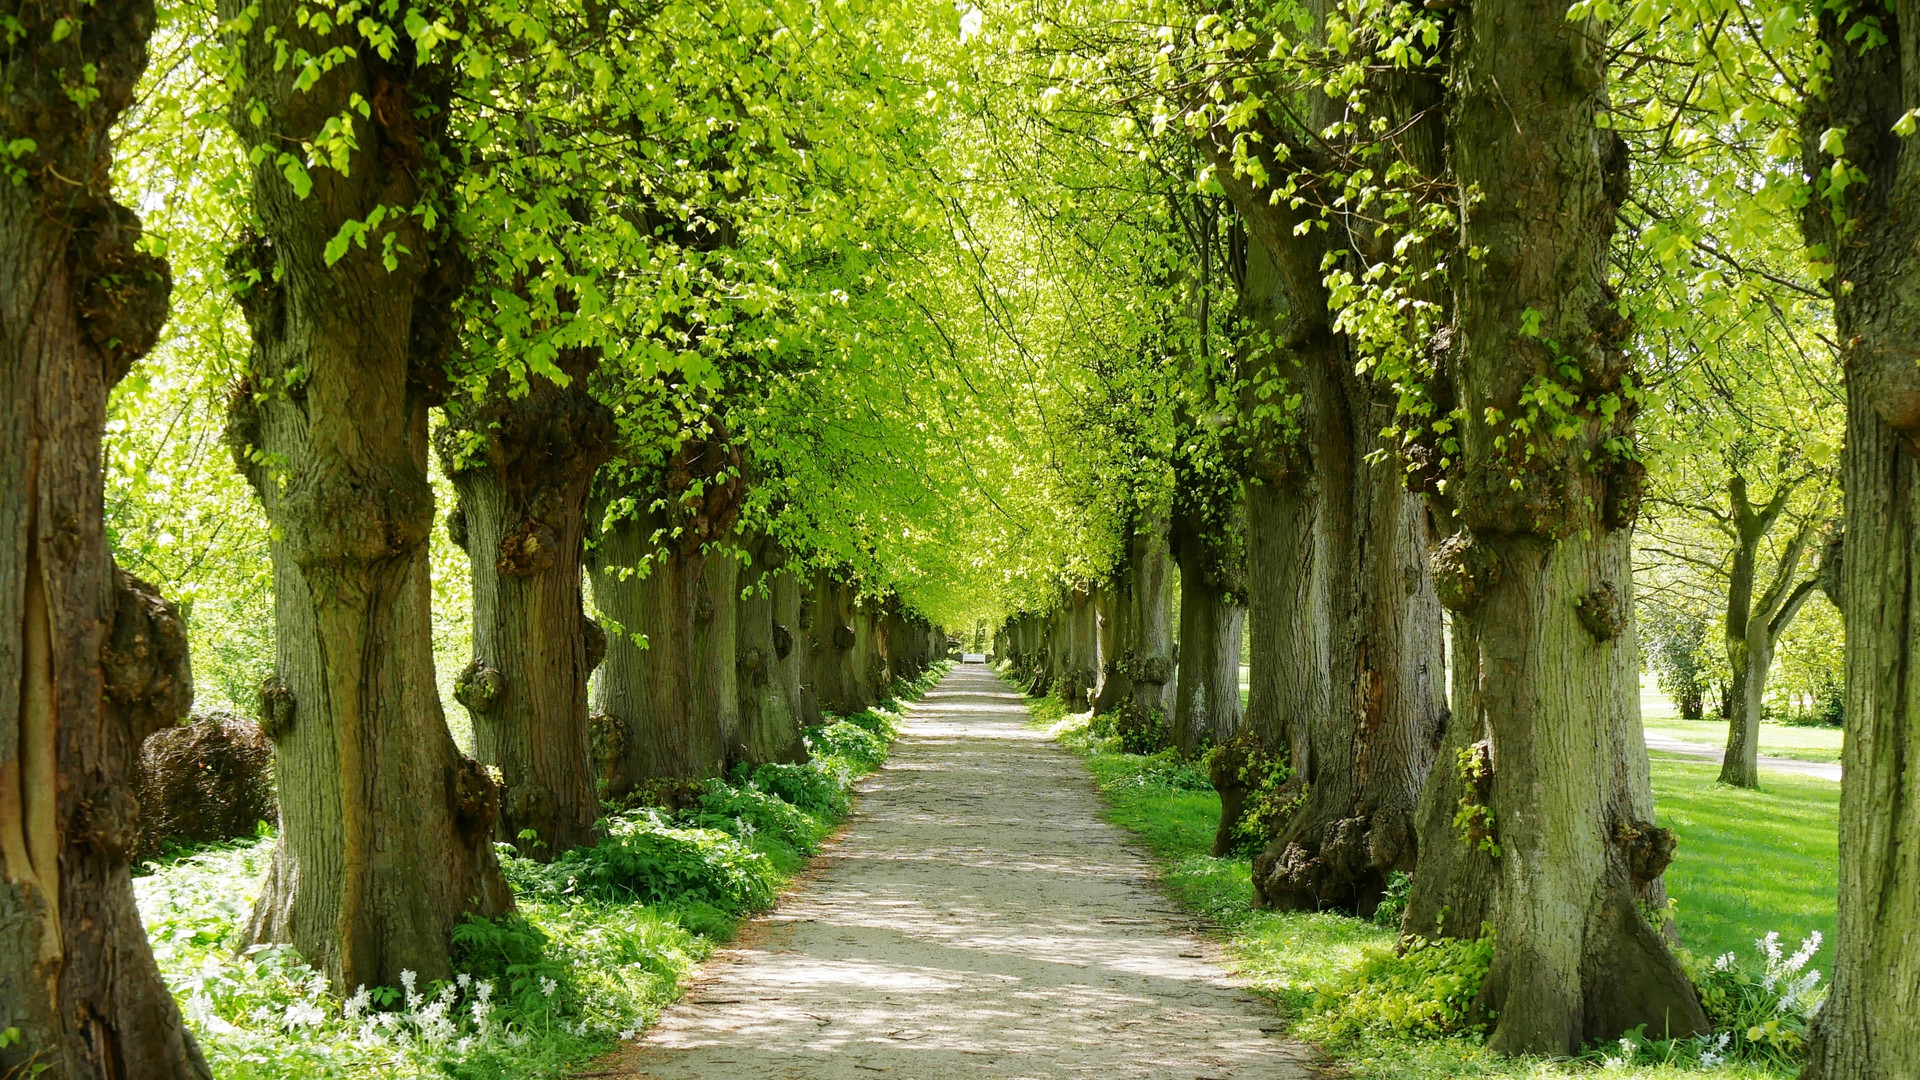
(601, 939)
(1343, 986)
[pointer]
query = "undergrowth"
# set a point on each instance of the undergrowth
(600, 939)
(1384, 1010)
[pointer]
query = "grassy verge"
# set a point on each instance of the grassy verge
(1341, 986)
(600, 941)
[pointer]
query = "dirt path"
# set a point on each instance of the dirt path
(976, 921)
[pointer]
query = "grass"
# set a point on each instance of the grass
(1749, 861)
(582, 963)
(1724, 904)
(1798, 742)
(1776, 740)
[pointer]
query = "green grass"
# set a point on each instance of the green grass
(1776, 740)
(1749, 862)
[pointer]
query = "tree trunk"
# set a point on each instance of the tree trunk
(1108, 633)
(1348, 666)
(385, 828)
(834, 639)
(669, 703)
(91, 659)
(1149, 664)
(1456, 879)
(1869, 1028)
(1747, 685)
(770, 708)
(1207, 695)
(1541, 568)
(521, 516)
(795, 608)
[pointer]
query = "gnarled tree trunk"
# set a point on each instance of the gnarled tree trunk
(770, 708)
(1206, 707)
(91, 660)
(834, 639)
(1540, 569)
(385, 828)
(521, 516)
(1110, 631)
(1149, 662)
(1869, 1028)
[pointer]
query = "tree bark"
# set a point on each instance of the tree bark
(1348, 666)
(1869, 1028)
(1109, 631)
(1149, 663)
(770, 707)
(834, 639)
(1456, 880)
(521, 516)
(1207, 688)
(91, 659)
(1541, 569)
(668, 704)
(385, 828)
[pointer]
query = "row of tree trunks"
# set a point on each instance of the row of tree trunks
(386, 829)
(91, 660)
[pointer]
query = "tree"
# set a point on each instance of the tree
(385, 828)
(771, 712)
(1861, 216)
(91, 658)
(522, 458)
(1544, 492)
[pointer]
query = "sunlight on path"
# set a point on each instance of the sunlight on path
(977, 920)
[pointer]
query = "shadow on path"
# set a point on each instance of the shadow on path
(975, 920)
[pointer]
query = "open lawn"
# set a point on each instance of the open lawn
(1659, 716)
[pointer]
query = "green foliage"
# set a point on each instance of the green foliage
(645, 858)
(806, 786)
(1163, 769)
(746, 811)
(1761, 1010)
(1425, 989)
(1394, 904)
(847, 741)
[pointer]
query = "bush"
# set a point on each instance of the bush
(1761, 1012)
(513, 953)
(1426, 990)
(644, 857)
(846, 740)
(203, 782)
(746, 811)
(811, 787)
(1394, 904)
(1165, 769)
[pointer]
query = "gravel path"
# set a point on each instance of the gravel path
(976, 920)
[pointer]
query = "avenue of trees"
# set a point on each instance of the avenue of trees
(516, 406)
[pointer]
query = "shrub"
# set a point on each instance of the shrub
(746, 811)
(846, 740)
(203, 782)
(1426, 989)
(1144, 732)
(513, 953)
(811, 787)
(646, 858)
(1394, 904)
(1762, 1012)
(1165, 769)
